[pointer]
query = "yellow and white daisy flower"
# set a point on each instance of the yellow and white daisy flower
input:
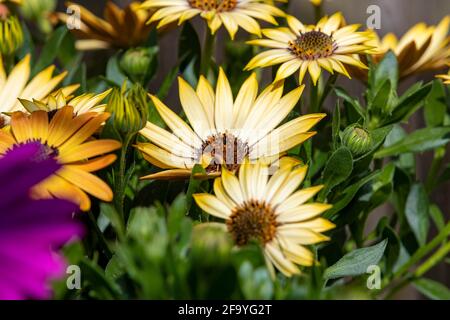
(88, 102)
(17, 85)
(271, 212)
(231, 13)
(223, 130)
(326, 45)
(422, 48)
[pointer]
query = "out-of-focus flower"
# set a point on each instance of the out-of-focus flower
(223, 131)
(316, 2)
(357, 139)
(444, 77)
(11, 35)
(327, 45)
(17, 85)
(128, 109)
(211, 244)
(87, 102)
(422, 48)
(68, 139)
(136, 61)
(120, 28)
(270, 212)
(40, 12)
(231, 13)
(30, 229)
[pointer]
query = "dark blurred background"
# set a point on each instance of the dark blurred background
(397, 16)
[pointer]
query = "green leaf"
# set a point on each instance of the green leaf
(437, 216)
(416, 212)
(432, 289)
(356, 262)
(435, 105)
(336, 125)
(381, 101)
(338, 169)
(189, 49)
(50, 50)
(386, 70)
(113, 72)
(418, 141)
(353, 102)
(408, 104)
(349, 193)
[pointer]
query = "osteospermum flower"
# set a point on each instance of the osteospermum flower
(68, 139)
(30, 229)
(87, 102)
(224, 130)
(422, 48)
(271, 212)
(17, 85)
(121, 28)
(231, 13)
(303, 48)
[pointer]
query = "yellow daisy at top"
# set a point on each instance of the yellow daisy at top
(303, 48)
(231, 13)
(316, 2)
(17, 85)
(87, 102)
(67, 138)
(270, 211)
(223, 130)
(422, 48)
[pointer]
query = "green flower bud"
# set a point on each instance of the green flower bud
(136, 62)
(11, 35)
(128, 109)
(211, 244)
(357, 139)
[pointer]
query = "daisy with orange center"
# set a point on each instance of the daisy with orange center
(224, 130)
(231, 13)
(67, 138)
(327, 45)
(271, 212)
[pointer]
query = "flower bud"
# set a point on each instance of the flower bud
(11, 35)
(357, 139)
(211, 244)
(136, 62)
(128, 109)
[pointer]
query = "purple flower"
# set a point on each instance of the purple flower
(30, 229)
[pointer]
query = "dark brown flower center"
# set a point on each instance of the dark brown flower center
(224, 149)
(313, 45)
(218, 5)
(253, 220)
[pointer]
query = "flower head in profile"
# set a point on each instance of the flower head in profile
(121, 28)
(223, 130)
(17, 85)
(31, 229)
(87, 102)
(231, 13)
(68, 139)
(422, 48)
(327, 45)
(271, 212)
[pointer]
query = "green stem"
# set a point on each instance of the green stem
(207, 53)
(8, 60)
(435, 168)
(122, 183)
(107, 250)
(318, 12)
(437, 257)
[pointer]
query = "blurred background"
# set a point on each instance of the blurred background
(397, 16)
